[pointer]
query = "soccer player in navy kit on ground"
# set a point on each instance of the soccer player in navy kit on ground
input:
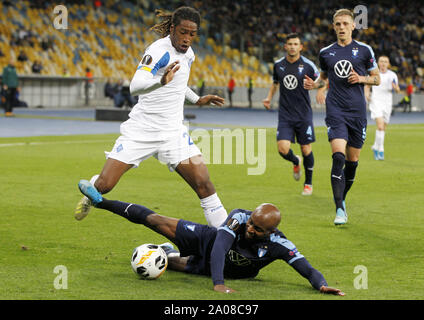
(245, 243)
(295, 112)
(348, 65)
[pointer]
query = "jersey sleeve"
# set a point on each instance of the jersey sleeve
(370, 62)
(225, 238)
(313, 71)
(395, 78)
(144, 80)
(322, 62)
(221, 246)
(155, 58)
(285, 249)
(274, 74)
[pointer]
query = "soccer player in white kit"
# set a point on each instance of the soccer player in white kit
(155, 125)
(381, 102)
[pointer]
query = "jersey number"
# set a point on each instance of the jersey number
(190, 142)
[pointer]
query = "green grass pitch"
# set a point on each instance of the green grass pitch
(38, 188)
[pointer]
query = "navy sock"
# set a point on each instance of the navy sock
(349, 173)
(133, 212)
(337, 178)
(290, 157)
(308, 164)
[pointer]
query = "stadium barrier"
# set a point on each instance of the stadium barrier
(57, 92)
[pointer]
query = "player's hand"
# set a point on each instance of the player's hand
(223, 288)
(329, 290)
(267, 103)
(308, 83)
(354, 77)
(320, 97)
(210, 98)
(170, 72)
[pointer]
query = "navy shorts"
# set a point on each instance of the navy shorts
(195, 240)
(351, 129)
(302, 131)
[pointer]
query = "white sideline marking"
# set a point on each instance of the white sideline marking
(39, 143)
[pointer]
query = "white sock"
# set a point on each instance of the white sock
(379, 140)
(93, 179)
(214, 211)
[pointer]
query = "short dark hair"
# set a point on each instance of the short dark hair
(293, 36)
(175, 18)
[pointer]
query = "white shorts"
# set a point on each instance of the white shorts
(171, 150)
(381, 110)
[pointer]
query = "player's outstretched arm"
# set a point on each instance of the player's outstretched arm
(316, 279)
(221, 246)
(223, 288)
(329, 290)
(211, 99)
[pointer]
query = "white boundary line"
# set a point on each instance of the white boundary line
(39, 143)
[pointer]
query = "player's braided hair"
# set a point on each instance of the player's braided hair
(168, 19)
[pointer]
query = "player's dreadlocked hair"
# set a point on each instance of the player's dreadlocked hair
(168, 19)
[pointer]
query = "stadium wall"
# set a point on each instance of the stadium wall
(71, 92)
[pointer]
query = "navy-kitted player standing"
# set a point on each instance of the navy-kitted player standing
(295, 112)
(348, 65)
(245, 243)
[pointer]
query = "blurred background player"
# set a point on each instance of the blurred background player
(346, 64)
(381, 103)
(10, 82)
(245, 243)
(295, 112)
(155, 125)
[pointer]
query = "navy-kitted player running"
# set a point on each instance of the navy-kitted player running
(295, 112)
(348, 65)
(245, 243)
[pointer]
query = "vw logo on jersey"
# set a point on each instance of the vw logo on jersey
(343, 68)
(290, 82)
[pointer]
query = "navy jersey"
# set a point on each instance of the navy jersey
(294, 102)
(244, 258)
(344, 98)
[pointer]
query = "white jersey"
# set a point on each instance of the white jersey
(162, 109)
(382, 94)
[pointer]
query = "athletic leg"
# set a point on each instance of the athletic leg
(196, 174)
(111, 173)
(338, 147)
(287, 153)
(308, 162)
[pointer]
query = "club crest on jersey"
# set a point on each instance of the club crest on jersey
(300, 68)
(355, 52)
